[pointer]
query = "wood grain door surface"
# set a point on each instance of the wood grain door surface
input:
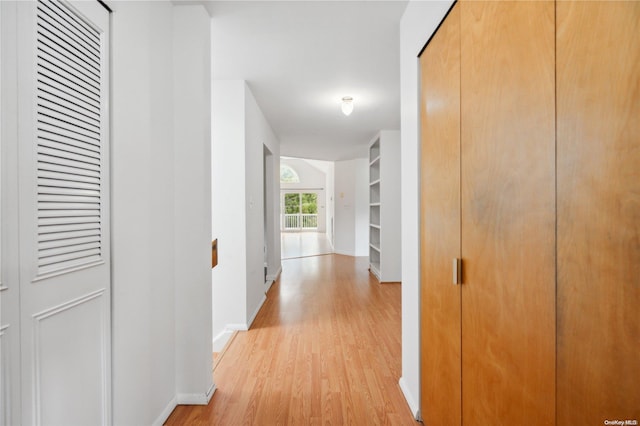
(440, 224)
(508, 212)
(598, 92)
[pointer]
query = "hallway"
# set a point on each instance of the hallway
(324, 349)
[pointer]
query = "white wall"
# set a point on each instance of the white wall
(160, 350)
(258, 133)
(419, 21)
(228, 201)
(330, 201)
(240, 133)
(351, 207)
(192, 198)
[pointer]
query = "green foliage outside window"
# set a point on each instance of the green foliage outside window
(292, 203)
(309, 203)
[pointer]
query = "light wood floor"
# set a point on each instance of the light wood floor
(324, 349)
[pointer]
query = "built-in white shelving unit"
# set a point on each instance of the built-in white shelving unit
(384, 206)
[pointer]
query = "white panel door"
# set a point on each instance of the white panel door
(64, 212)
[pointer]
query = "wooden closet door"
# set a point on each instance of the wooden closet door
(598, 72)
(440, 225)
(508, 212)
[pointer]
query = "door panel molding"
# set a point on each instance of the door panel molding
(83, 324)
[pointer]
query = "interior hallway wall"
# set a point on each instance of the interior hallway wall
(351, 221)
(160, 243)
(240, 133)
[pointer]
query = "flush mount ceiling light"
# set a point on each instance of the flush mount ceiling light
(347, 105)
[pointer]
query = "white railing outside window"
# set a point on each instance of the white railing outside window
(297, 222)
(309, 221)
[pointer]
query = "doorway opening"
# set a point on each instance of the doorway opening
(306, 207)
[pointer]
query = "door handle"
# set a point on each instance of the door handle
(457, 271)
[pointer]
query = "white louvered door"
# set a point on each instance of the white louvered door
(64, 212)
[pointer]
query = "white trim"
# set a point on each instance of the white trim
(274, 277)
(413, 406)
(67, 270)
(184, 399)
(196, 398)
(344, 253)
(238, 327)
(220, 341)
(255, 313)
(166, 412)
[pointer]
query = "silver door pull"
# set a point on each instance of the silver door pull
(457, 271)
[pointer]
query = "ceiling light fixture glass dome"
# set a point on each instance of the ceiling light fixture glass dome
(347, 105)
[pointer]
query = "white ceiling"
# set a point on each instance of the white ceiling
(301, 57)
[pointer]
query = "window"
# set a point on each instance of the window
(288, 175)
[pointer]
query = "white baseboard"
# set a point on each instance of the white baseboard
(184, 399)
(196, 398)
(274, 277)
(271, 278)
(237, 327)
(164, 415)
(411, 401)
(344, 253)
(255, 313)
(221, 339)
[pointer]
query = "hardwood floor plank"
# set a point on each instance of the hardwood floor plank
(324, 349)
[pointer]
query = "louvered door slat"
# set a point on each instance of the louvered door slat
(49, 42)
(52, 129)
(51, 164)
(67, 206)
(71, 40)
(69, 135)
(49, 85)
(59, 75)
(54, 230)
(50, 49)
(43, 214)
(79, 27)
(47, 198)
(51, 236)
(57, 97)
(71, 123)
(59, 142)
(68, 242)
(76, 258)
(45, 191)
(67, 113)
(67, 220)
(53, 183)
(49, 155)
(68, 68)
(67, 177)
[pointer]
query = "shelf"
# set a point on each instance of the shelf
(375, 160)
(374, 205)
(374, 267)
(373, 225)
(375, 182)
(376, 248)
